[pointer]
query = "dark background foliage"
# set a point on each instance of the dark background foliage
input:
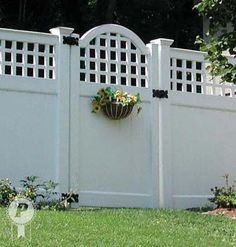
(150, 19)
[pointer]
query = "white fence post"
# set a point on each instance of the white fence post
(160, 76)
(63, 142)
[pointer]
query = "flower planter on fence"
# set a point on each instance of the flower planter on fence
(117, 110)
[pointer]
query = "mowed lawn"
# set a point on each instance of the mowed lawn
(122, 227)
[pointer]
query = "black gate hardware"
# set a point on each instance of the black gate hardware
(69, 40)
(160, 94)
(70, 197)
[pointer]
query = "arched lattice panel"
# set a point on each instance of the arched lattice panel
(112, 54)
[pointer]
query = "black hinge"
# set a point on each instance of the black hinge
(69, 40)
(156, 93)
(70, 197)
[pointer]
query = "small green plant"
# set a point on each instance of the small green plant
(225, 196)
(7, 192)
(30, 187)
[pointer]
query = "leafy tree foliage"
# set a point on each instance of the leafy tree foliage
(150, 19)
(221, 38)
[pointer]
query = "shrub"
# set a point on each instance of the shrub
(225, 196)
(7, 192)
(43, 194)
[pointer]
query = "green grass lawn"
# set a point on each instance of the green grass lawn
(123, 227)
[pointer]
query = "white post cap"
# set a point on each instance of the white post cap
(161, 41)
(61, 31)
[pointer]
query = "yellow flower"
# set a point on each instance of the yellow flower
(120, 98)
(118, 93)
(96, 108)
(101, 92)
(133, 98)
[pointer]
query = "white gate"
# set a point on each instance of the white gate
(112, 163)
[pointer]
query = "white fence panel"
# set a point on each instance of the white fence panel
(199, 133)
(202, 146)
(28, 105)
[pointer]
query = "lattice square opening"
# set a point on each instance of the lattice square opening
(179, 87)
(92, 53)
(113, 55)
(198, 77)
(133, 70)
(92, 65)
(82, 52)
(41, 60)
(133, 57)
(51, 61)
(179, 63)
(123, 81)
(30, 46)
(102, 54)
(102, 42)
(133, 82)
(8, 44)
(123, 56)
(41, 73)
(19, 58)
(102, 78)
(113, 79)
(8, 57)
(41, 48)
(123, 68)
(102, 66)
(82, 64)
(7, 69)
(198, 65)
(19, 45)
(188, 88)
(143, 71)
(113, 67)
(123, 44)
(179, 75)
(188, 76)
(51, 49)
(50, 74)
(113, 43)
(30, 72)
(92, 77)
(198, 89)
(18, 70)
(143, 59)
(143, 83)
(30, 59)
(189, 64)
(82, 76)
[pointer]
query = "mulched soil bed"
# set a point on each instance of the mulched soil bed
(230, 213)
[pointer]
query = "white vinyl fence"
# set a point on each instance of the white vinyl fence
(169, 155)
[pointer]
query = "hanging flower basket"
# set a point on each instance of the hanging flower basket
(115, 104)
(116, 110)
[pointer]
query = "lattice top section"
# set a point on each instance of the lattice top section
(188, 74)
(27, 59)
(112, 58)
